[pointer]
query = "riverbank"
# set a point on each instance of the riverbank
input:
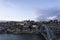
(27, 26)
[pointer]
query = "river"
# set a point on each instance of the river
(22, 37)
(58, 36)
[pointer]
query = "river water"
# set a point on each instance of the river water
(22, 37)
(58, 36)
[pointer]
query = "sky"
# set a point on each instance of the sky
(17, 10)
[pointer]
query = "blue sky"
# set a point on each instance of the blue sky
(18, 10)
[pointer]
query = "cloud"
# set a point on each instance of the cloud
(6, 12)
(49, 14)
(9, 10)
(15, 10)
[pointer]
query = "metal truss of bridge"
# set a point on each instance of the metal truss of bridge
(47, 33)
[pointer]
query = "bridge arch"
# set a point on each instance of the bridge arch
(47, 32)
